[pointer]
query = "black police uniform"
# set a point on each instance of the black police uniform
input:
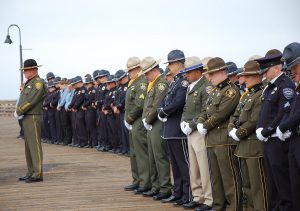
(90, 117)
(172, 108)
(46, 129)
(58, 120)
(276, 101)
(51, 116)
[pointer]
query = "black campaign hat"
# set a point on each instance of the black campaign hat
(291, 55)
(176, 56)
(30, 64)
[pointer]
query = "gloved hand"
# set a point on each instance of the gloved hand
(182, 126)
(17, 116)
(233, 135)
(128, 126)
(188, 130)
(259, 135)
(282, 136)
(200, 129)
(146, 125)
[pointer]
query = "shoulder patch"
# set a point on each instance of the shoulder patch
(230, 93)
(161, 86)
(184, 83)
(288, 93)
(143, 86)
(38, 85)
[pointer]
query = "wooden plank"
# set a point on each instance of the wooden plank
(74, 178)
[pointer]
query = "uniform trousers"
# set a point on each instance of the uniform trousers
(66, 126)
(133, 162)
(81, 128)
(90, 122)
(52, 125)
(124, 135)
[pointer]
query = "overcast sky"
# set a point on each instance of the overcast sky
(75, 37)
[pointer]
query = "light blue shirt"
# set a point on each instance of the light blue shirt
(69, 97)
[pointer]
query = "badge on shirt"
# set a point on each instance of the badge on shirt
(83, 91)
(161, 87)
(230, 93)
(38, 85)
(288, 93)
(93, 91)
(143, 86)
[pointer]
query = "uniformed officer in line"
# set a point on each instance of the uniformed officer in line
(54, 103)
(195, 105)
(158, 160)
(119, 109)
(232, 72)
(90, 112)
(291, 56)
(276, 105)
(30, 107)
(241, 128)
(168, 75)
(70, 135)
(50, 97)
(170, 114)
(134, 102)
(107, 108)
(100, 77)
(76, 107)
(66, 122)
(221, 103)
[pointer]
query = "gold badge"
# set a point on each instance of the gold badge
(38, 85)
(230, 93)
(161, 87)
(143, 86)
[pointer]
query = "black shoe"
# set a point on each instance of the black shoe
(172, 198)
(179, 203)
(131, 187)
(24, 178)
(191, 205)
(140, 190)
(161, 196)
(33, 179)
(150, 193)
(203, 207)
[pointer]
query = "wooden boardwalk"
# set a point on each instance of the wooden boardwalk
(74, 179)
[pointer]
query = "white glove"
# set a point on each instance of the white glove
(200, 129)
(259, 135)
(128, 126)
(282, 136)
(188, 130)
(182, 126)
(146, 125)
(233, 135)
(162, 119)
(17, 116)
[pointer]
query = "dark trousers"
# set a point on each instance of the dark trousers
(66, 126)
(21, 127)
(294, 164)
(278, 178)
(102, 130)
(58, 122)
(112, 131)
(52, 125)
(81, 128)
(45, 126)
(179, 156)
(124, 135)
(90, 121)
(74, 129)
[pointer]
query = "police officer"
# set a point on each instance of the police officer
(30, 107)
(158, 160)
(76, 107)
(291, 56)
(90, 112)
(54, 103)
(195, 105)
(221, 103)
(134, 102)
(170, 114)
(119, 109)
(276, 103)
(249, 150)
(107, 109)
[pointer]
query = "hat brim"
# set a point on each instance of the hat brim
(174, 60)
(121, 77)
(249, 73)
(75, 82)
(293, 63)
(194, 67)
(28, 68)
(152, 66)
(132, 67)
(215, 70)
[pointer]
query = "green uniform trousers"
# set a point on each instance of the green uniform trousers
(254, 184)
(133, 164)
(158, 160)
(33, 147)
(225, 178)
(139, 140)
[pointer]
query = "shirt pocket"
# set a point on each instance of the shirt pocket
(246, 111)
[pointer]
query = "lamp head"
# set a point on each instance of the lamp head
(8, 40)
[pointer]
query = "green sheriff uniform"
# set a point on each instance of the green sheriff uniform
(30, 105)
(134, 102)
(158, 160)
(225, 176)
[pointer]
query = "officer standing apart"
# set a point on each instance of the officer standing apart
(158, 160)
(275, 107)
(195, 105)
(291, 56)
(170, 114)
(249, 150)
(222, 101)
(134, 102)
(30, 107)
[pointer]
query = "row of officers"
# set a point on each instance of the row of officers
(230, 134)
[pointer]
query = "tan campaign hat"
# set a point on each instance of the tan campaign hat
(132, 63)
(148, 63)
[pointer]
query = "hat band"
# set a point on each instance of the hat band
(193, 67)
(151, 66)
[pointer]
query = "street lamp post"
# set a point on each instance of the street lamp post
(9, 41)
